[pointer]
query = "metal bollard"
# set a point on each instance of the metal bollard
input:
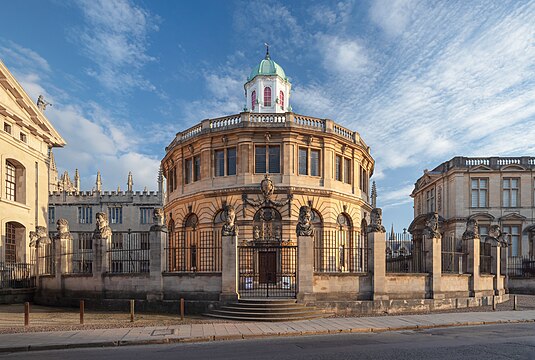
(181, 308)
(26, 314)
(132, 303)
(82, 310)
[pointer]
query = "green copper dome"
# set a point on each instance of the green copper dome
(267, 67)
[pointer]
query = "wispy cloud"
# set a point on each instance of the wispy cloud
(392, 16)
(343, 56)
(114, 37)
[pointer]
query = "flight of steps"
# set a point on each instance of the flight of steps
(266, 310)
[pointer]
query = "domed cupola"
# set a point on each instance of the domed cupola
(267, 89)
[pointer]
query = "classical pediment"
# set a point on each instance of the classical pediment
(512, 167)
(17, 107)
(481, 216)
(480, 168)
(512, 216)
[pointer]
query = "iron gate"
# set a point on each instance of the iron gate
(267, 271)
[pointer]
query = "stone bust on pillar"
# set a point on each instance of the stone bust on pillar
(62, 225)
(376, 221)
(39, 237)
(472, 230)
(304, 224)
(496, 236)
(432, 228)
(230, 228)
(158, 220)
(103, 230)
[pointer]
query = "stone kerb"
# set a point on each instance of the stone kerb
(229, 271)
(305, 268)
(433, 264)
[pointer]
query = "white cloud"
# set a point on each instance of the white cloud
(392, 16)
(23, 57)
(115, 38)
(343, 56)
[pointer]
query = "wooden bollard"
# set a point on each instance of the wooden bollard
(515, 303)
(181, 308)
(26, 314)
(132, 303)
(494, 303)
(82, 310)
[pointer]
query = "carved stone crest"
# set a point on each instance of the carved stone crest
(304, 224)
(230, 228)
(266, 185)
(376, 221)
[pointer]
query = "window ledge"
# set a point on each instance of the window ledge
(15, 203)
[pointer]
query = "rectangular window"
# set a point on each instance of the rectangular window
(188, 167)
(145, 215)
(338, 168)
(510, 192)
(85, 215)
(219, 163)
(196, 168)
(51, 215)
(260, 160)
(513, 233)
(7, 128)
(347, 171)
(11, 182)
(483, 232)
(274, 159)
(430, 200)
(231, 161)
(479, 192)
(115, 214)
(315, 162)
(23, 137)
(364, 180)
(303, 161)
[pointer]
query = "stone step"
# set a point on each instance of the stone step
(292, 314)
(268, 302)
(238, 308)
(252, 318)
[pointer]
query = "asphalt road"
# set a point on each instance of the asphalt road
(508, 341)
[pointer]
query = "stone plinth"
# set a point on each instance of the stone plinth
(473, 248)
(305, 268)
(377, 264)
(433, 264)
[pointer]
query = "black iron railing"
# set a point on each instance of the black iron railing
(17, 275)
(340, 251)
(129, 252)
(485, 258)
(405, 254)
(454, 257)
(194, 251)
(77, 253)
(521, 266)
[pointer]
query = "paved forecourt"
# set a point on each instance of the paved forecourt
(243, 330)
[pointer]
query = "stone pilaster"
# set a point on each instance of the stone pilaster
(504, 256)
(473, 247)
(433, 264)
(377, 264)
(229, 271)
(305, 268)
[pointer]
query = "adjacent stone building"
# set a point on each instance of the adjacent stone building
(26, 138)
(493, 190)
(126, 210)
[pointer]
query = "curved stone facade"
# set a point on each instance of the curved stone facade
(310, 161)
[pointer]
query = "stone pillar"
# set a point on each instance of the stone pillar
(377, 264)
(157, 262)
(499, 288)
(101, 255)
(473, 245)
(504, 258)
(433, 264)
(229, 271)
(305, 268)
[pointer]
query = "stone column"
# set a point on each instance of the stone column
(496, 270)
(377, 264)
(229, 271)
(473, 245)
(504, 258)
(157, 262)
(433, 264)
(305, 268)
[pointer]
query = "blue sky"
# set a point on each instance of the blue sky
(422, 81)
